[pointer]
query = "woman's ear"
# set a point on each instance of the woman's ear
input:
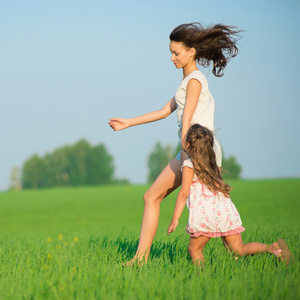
(192, 51)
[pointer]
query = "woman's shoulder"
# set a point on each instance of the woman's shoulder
(197, 74)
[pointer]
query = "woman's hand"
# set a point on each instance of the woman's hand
(118, 124)
(172, 226)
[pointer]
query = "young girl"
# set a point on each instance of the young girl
(211, 212)
(189, 44)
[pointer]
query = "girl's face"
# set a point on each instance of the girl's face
(181, 56)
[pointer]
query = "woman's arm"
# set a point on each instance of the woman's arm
(193, 91)
(120, 124)
(187, 178)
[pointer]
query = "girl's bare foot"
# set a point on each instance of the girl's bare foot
(281, 251)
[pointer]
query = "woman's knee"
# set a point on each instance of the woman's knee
(150, 198)
(168, 180)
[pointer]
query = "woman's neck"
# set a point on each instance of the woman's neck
(188, 69)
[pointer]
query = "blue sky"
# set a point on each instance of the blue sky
(69, 66)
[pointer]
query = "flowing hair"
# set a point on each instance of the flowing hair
(216, 43)
(202, 154)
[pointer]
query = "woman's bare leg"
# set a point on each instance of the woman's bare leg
(168, 180)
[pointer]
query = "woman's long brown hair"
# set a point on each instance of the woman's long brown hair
(216, 43)
(201, 142)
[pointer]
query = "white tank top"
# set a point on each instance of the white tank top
(204, 113)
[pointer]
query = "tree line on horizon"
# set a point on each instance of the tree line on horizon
(77, 165)
(82, 164)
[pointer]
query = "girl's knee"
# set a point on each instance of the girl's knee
(192, 250)
(195, 254)
(196, 246)
(235, 243)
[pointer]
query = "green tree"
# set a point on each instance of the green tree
(102, 170)
(34, 171)
(57, 167)
(159, 157)
(79, 157)
(231, 169)
(79, 164)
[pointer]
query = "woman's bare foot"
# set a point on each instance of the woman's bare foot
(134, 262)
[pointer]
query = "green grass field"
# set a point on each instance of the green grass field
(67, 243)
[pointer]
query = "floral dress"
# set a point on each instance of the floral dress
(210, 214)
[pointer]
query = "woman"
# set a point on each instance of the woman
(189, 44)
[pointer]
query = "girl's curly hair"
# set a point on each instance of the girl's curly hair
(202, 154)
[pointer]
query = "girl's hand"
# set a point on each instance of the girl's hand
(172, 226)
(118, 124)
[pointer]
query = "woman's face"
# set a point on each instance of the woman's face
(180, 55)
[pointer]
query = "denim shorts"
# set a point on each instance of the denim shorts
(217, 149)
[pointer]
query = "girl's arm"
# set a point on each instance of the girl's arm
(187, 178)
(193, 91)
(120, 124)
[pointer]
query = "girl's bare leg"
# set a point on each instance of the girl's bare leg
(236, 245)
(227, 248)
(168, 180)
(279, 248)
(196, 247)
